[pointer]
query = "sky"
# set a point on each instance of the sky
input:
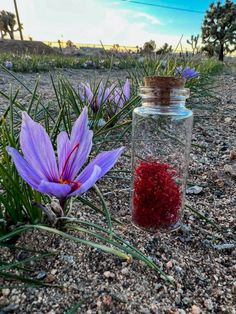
(110, 21)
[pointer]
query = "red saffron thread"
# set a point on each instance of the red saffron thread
(156, 198)
(67, 160)
(74, 185)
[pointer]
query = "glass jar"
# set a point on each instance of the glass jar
(161, 137)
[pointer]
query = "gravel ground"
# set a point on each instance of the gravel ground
(200, 258)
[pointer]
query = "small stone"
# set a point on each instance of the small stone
(234, 288)
(53, 271)
(186, 301)
(169, 264)
(196, 309)
(228, 120)
(107, 300)
(181, 311)
(230, 169)
(157, 286)
(144, 310)
(109, 274)
(194, 190)
(232, 155)
(41, 275)
(224, 246)
(179, 270)
(69, 258)
(50, 278)
(6, 292)
(10, 308)
(177, 300)
(208, 304)
(125, 271)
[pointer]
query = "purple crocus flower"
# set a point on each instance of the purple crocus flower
(187, 73)
(120, 96)
(8, 65)
(95, 99)
(60, 178)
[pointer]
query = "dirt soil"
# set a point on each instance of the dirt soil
(25, 46)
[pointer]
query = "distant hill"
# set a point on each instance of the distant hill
(25, 46)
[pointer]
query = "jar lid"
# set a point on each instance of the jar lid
(165, 82)
(163, 90)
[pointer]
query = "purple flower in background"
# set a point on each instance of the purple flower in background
(60, 178)
(187, 73)
(120, 96)
(89, 64)
(113, 95)
(95, 99)
(8, 65)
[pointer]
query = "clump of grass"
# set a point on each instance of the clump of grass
(45, 63)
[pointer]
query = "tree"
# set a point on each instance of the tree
(149, 46)
(164, 49)
(70, 44)
(219, 28)
(193, 42)
(116, 47)
(7, 24)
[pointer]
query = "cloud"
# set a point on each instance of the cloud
(152, 19)
(89, 22)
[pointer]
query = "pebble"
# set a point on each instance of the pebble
(194, 190)
(6, 292)
(125, 271)
(50, 278)
(224, 246)
(196, 309)
(10, 308)
(177, 300)
(179, 270)
(144, 311)
(232, 155)
(208, 304)
(41, 275)
(228, 120)
(186, 300)
(109, 274)
(69, 258)
(169, 264)
(230, 169)
(53, 271)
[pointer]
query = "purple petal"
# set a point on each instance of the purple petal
(117, 95)
(24, 168)
(88, 93)
(37, 149)
(63, 149)
(55, 189)
(104, 160)
(127, 89)
(81, 136)
(106, 95)
(79, 127)
(100, 95)
(82, 154)
(88, 180)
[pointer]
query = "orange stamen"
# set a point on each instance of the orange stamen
(75, 185)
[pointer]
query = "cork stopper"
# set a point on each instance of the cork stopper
(162, 87)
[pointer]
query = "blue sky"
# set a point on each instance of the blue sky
(111, 21)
